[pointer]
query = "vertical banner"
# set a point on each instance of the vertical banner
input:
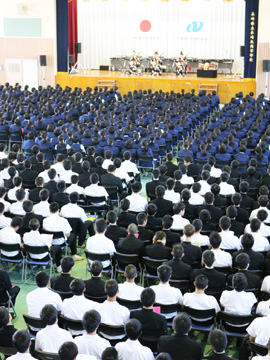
(72, 27)
(251, 29)
(62, 35)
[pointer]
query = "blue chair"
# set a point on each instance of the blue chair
(6, 260)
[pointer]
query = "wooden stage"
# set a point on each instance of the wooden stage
(227, 85)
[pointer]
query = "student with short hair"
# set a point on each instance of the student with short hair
(62, 282)
(228, 239)
(179, 221)
(4, 220)
(21, 342)
(43, 207)
(222, 258)
(68, 351)
(7, 329)
(8, 235)
(95, 286)
(129, 290)
(138, 203)
(218, 341)
(114, 232)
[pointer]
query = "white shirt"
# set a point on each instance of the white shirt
(187, 180)
(122, 174)
(215, 172)
(73, 211)
(17, 208)
(237, 303)
(258, 357)
(229, 240)
(129, 291)
(138, 203)
(21, 356)
(6, 204)
(45, 176)
(51, 338)
(4, 221)
(11, 194)
(222, 258)
(196, 199)
(133, 350)
(34, 238)
(73, 188)
(200, 301)
(263, 308)
(66, 176)
(113, 314)
(203, 240)
(36, 299)
(205, 187)
(129, 167)
(253, 214)
(42, 208)
(172, 196)
(100, 244)
(264, 230)
(59, 168)
(91, 345)
(166, 295)
(266, 284)
(5, 175)
(106, 163)
(179, 222)
(260, 330)
(226, 189)
(9, 236)
(57, 223)
(96, 191)
(3, 155)
(75, 307)
(260, 242)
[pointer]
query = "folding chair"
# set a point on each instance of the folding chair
(202, 320)
(70, 324)
(4, 259)
(122, 260)
(257, 349)
(57, 235)
(182, 285)
(43, 355)
(6, 299)
(63, 294)
(234, 325)
(101, 257)
(110, 330)
(150, 268)
(130, 304)
(7, 351)
(32, 322)
(99, 299)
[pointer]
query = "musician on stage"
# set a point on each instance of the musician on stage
(133, 63)
(183, 62)
(156, 65)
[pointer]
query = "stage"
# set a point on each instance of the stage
(227, 85)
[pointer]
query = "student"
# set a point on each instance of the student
(218, 342)
(159, 250)
(21, 342)
(179, 222)
(62, 282)
(138, 203)
(6, 328)
(95, 286)
(68, 351)
(129, 290)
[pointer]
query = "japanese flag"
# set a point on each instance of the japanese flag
(144, 26)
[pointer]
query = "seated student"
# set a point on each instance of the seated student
(34, 193)
(45, 174)
(171, 237)
(58, 166)
(222, 258)
(225, 188)
(163, 174)
(29, 215)
(165, 293)
(228, 239)
(193, 253)
(237, 301)
(110, 179)
(28, 174)
(138, 203)
(122, 174)
(205, 187)
(56, 223)
(43, 207)
(90, 343)
(164, 207)
(68, 351)
(37, 160)
(6, 328)
(96, 190)
(17, 181)
(150, 320)
(21, 340)
(152, 185)
(129, 290)
(67, 173)
(236, 226)
(214, 172)
(52, 336)
(192, 169)
(131, 346)
(260, 242)
(114, 232)
(198, 238)
(153, 222)
(219, 201)
(180, 270)
(95, 286)
(179, 345)
(218, 341)
(124, 217)
(2, 198)
(97, 168)
(34, 238)
(178, 186)
(77, 167)
(199, 300)
(111, 312)
(131, 244)
(74, 186)
(75, 307)
(215, 211)
(242, 214)
(107, 159)
(170, 194)
(4, 220)
(185, 179)
(246, 201)
(60, 197)
(8, 235)
(179, 221)
(63, 281)
(171, 168)
(17, 207)
(196, 198)
(51, 184)
(144, 234)
(159, 250)
(263, 202)
(129, 166)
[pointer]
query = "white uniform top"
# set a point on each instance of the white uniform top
(75, 307)
(222, 258)
(57, 223)
(34, 238)
(260, 242)
(66, 176)
(229, 240)
(123, 175)
(113, 313)
(266, 284)
(59, 168)
(4, 221)
(172, 196)
(100, 244)
(166, 295)
(200, 301)
(9, 236)
(253, 214)
(263, 308)
(42, 208)
(215, 172)
(196, 199)
(6, 204)
(129, 291)
(264, 230)
(51, 338)
(17, 208)
(205, 187)
(258, 357)
(179, 222)
(91, 345)
(187, 180)
(36, 299)
(129, 166)
(138, 203)
(226, 189)
(106, 163)
(237, 303)
(21, 356)
(96, 191)
(73, 211)
(133, 350)
(73, 188)
(203, 240)
(260, 330)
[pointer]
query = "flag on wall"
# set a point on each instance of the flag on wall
(72, 27)
(144, 26)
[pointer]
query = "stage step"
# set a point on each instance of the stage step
(208, 87)
(110, 84)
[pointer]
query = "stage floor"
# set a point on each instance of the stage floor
(227, 85)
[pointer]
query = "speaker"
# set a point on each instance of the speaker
(242, 51)
(71, 59)
(104, 67)
(42, 60)
(78, 48)
(266, 65)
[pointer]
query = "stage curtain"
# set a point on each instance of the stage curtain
(72, 27)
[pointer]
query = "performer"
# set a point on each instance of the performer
(178, 68)
(133, 63)
(156, 65)
(183, 62)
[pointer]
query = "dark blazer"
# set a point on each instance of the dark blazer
(193, 254)
(111, 180)
(151, 187)
(256, 259)
(153, 222)
(145, 234)
(180, 347)
(98, 170)
(216, 280)
(163, 178)
(193, 170)
(38, 167)
(94, 287)
(131, 245)
(247, 202)
(180, 270)
(237, 227)
(242, 215)
(216, 213)
(84, 179)
(115, 232)
(26, 220)
(28, 175)
(91, 161)
(171, 237)
(190, 211)
(61, 282)
(125, 219)
(179, 187)
(61, 198)
(171, 168)
(34, 194)
(151, 321)
(164, 207)
(220, 201)
(77, 168)
(51, 186)
(6, 333)
(158, 251)
(253, 182)
(254, 281)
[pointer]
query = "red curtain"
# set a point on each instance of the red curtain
(72, 27)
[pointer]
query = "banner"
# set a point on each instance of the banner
(194, 27)
(251, 28)
(72, 27)
(62, 35)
